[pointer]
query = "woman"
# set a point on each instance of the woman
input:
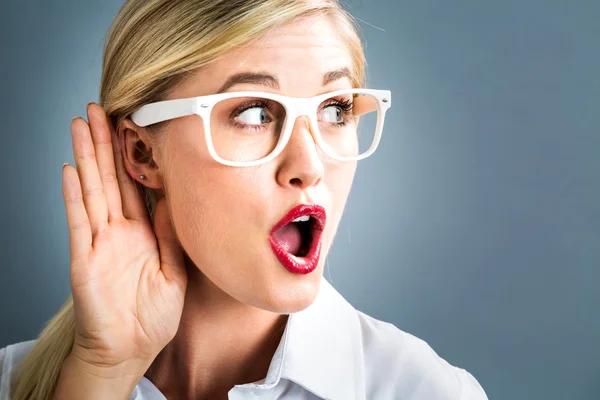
(242, 123)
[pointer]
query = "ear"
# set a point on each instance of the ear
(137, 154)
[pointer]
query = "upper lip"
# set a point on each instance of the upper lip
(315, 211)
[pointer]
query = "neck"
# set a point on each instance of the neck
(220, 343)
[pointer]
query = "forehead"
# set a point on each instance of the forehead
(297, 53)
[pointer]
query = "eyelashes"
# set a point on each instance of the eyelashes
(344, 104)
(259, 103)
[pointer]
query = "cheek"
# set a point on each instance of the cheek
(197, 186)
(193, 183)
(191, 206)
(338, 179)
(217, 210)
(209, 220)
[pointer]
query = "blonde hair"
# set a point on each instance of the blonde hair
(151, 47)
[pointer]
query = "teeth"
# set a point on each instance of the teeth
(303, 218)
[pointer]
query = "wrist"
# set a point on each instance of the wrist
(92, 363)
(81, 379)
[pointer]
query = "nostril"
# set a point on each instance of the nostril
(296, 182)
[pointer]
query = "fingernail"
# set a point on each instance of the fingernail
(74, 118)
(89, 104)
(65, 164)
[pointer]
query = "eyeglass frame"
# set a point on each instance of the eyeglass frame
(294, 107)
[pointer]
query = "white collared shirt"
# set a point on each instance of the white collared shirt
(331, 351)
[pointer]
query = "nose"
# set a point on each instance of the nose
(301, 164)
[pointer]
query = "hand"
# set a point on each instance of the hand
(128, 278)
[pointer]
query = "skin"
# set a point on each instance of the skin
(228, 306)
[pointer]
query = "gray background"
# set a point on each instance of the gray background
(476, 225)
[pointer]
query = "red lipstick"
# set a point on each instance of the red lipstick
(296, 239)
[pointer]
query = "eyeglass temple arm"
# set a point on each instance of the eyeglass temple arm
(163, 111)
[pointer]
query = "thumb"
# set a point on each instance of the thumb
(172, 261)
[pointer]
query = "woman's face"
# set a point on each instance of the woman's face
(224, 215)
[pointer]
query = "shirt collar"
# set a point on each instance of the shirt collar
(320, 350)
(321, 346)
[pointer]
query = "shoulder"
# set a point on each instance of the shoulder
(400, 365)
(10, 356)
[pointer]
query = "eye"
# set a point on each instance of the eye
(332, 114)
(336, 111)
(254, 116)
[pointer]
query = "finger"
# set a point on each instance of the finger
(171, 252)
(103, 147)
(89, 176)
(132, 198)
(80, 233)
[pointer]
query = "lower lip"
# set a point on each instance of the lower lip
(300, 265)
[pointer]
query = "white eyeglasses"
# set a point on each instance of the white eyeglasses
(250, 128)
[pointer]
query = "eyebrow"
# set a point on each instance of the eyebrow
(265, 79)
(335, 75)
(252, 78)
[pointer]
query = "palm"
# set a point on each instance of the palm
(127, 277)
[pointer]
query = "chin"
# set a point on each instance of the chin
(288, 297)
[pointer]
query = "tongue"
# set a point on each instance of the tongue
(289, 238)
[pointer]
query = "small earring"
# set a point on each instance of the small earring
(142, 177)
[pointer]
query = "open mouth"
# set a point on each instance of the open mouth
(296, 238)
